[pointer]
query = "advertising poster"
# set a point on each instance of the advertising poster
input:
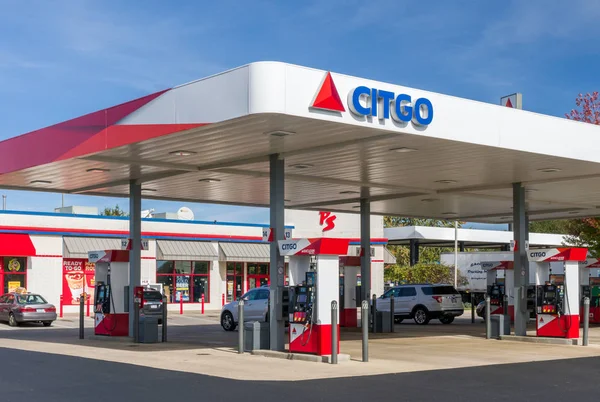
(182, 288)
(13, 286)
(78, 277)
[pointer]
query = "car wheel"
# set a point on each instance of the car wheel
(12, 321)
(421, 316)
(227, 321)
(47, 323)
(447, 319)
(398, 320)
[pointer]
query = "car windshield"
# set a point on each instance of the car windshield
(31, 299)
(439, 290)
(152, 296)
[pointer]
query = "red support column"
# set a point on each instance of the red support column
(87, 307)
(61, 307)
(202, 304)
(222, 299)
(180, 303)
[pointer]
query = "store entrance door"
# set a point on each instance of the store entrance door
(256, 281)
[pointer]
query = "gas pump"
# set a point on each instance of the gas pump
(349, 297)
(500, 282)
(557, 307)
(111, 306)
(590, 287)
(314, 283)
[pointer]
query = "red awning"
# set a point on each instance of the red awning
(16, 245)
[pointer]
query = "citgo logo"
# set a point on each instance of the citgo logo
(289, 246)
(538, 254)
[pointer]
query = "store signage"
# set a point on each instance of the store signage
(14, 265)
(78, 279)
(364, 101)
(327, 219)
(372, 102)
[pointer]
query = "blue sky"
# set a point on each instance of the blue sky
(63, 58)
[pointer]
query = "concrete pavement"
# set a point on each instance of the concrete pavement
(198, 345)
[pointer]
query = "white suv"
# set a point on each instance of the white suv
(256, 308)
(423, 303)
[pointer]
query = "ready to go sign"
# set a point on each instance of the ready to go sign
(268, 234)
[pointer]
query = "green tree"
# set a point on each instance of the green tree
(561, 226)
(116, 211)
(423, 273)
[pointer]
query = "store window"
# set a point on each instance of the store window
(184, 281)
(258, 275)
(13, 273)
(235, 280)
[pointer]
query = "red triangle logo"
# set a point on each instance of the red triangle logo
(509, 103)
(541, 320)
(294, 331)
(328, 97)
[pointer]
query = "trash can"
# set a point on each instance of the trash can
(256, 336)
(383, 323)
(148, 329)
(500, 325)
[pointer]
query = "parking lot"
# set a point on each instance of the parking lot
(198, 344)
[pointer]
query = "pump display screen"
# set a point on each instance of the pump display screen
(550, 295)
(302, 298)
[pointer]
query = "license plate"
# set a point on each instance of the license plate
(40, 310)
(453, 300)
(153, 306)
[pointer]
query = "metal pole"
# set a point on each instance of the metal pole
(164, 319)
(374, 316)
(472, 309)
(241, 326)
(505, 305)
(456, 254)
(488, 319)
(586, 319)
(365, 246)
(4, 202)
(277, 262)
(364, 314)
(81, 311)
(334, 334)
(392, 312)
(135, 234)
(136, 321)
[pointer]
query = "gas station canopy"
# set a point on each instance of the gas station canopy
(419, 155)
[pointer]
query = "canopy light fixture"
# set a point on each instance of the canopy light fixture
(349, 192)
(280, 133)
(182, 152)
(40, 182)
(446, 181)
(549, 170)
(97, 170)
(430, 199)
(286, 200)
(302, 166)
(209, 180)
(402, 150)
(356, 206)
(148, 189)
(449, 213)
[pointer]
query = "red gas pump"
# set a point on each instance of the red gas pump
(557, 309)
